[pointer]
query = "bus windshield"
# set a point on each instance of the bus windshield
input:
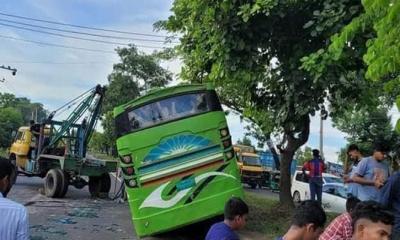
(171, 109)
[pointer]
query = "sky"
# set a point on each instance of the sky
(54, 75)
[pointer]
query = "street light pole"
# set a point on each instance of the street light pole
(323, 116)
(13, 70)
(321, 137)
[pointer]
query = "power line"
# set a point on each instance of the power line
(56, 45)
(84, 33)
(60, 63)
(80, 26)
(71, 47)
(63, 35)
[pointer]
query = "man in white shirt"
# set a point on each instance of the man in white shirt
(13, 216)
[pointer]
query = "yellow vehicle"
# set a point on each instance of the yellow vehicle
(251, 171)
(22, 149)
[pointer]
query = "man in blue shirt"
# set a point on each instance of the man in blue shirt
(371, 173)
(14, 218)
(307, 222)
(235, 214)
(390, 198)
(355, 156)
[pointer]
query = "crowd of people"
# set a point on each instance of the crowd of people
(363, 220)
(372, 206)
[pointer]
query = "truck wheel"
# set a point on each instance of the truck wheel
(14, 175)
(99, 186)
(53, 183)
(65, 183)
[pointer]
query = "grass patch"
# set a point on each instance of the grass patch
(268, 217)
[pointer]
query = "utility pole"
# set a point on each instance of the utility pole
(13, 70)
(324, 116)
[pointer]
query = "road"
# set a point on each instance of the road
(78, 216)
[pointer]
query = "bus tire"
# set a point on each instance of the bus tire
(53, 183)
(99, 186)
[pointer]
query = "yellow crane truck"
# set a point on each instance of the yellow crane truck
(56, 150)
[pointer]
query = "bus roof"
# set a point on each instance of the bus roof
(161, 93)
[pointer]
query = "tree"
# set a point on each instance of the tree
(27, 109)
(365, 126)
(303, 156)
(137, 72)
(252, 52)
(10, 120)
(376, 28)
(98, 143)
(245, 141)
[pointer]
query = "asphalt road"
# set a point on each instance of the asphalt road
(78, 216)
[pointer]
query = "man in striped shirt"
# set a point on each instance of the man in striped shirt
(13, 216)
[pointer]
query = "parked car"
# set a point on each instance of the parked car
(334, 191)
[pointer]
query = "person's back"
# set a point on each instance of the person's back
(13, 220)
(341, 227)
(235, 214)
(221, 231)
(308, 222)
(315, 168)
(13, 216)
(390, 197)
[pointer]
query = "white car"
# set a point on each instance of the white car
(334, 192)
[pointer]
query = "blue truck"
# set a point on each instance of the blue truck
(271, 165)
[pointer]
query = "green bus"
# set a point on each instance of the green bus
(176, 156)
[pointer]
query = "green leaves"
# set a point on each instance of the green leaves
(10, 120)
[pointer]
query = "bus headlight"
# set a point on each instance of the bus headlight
(127, 159)
(131, 183)
(229, 155)
(224, 132)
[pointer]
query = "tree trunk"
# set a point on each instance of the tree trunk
(285, 196)
(292, 145)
